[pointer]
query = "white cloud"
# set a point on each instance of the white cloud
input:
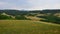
(47, 6)
(31, 4)
(3, 3)
(57, 6)
(44, 4)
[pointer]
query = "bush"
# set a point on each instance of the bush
(5, 17)
(51, 18)
(20, 17)
(31, 14)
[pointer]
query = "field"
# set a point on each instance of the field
(27, 27)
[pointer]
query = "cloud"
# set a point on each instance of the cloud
(2, 3)
(44, 4)
(30, 4)
(57, 6)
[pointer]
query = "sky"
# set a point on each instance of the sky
(29, 4)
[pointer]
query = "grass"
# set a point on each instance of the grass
(27, 27)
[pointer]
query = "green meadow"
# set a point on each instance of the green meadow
(27, 27)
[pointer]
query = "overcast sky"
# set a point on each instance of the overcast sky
(30, 4)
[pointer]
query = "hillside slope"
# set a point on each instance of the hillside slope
(27, 27)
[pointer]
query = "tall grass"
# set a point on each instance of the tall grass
(27, 27)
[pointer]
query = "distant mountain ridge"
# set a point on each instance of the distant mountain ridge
(18, 12)
(52, 11)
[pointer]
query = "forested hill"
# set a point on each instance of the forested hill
(13, 12)
(51, 11)
(18, 12)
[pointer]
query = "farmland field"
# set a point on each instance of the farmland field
(27, 27)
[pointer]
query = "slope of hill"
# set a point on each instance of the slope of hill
(27, 27)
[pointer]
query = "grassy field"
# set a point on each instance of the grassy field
(27, 27)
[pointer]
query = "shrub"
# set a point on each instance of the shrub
(5, 17)
(53, 19)
(20, 17)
